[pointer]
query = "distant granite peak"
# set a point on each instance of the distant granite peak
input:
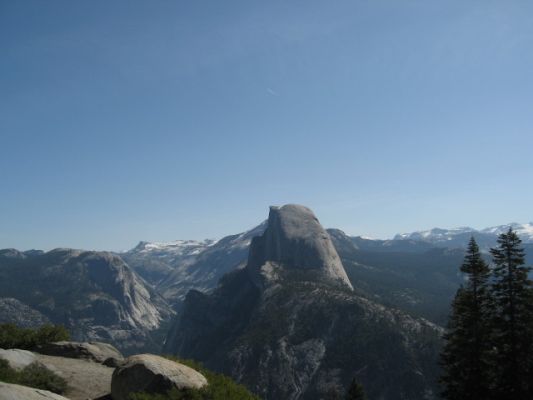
(94, 294)
(295, 240)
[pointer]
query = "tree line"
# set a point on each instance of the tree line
(488, 351)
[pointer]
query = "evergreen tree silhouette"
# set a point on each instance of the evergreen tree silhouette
(512, 293)
(465, 358)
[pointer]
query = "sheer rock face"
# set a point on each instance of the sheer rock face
(295, 241)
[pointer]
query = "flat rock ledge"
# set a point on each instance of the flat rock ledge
(152, 374)
(9, 391)
(94, 351)
(86, 379)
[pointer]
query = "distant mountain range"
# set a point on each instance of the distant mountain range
(173, 268)
(392, 287)
(95, 295)
(155, 259)
(289, 325)
(176, 267)
(458, 237)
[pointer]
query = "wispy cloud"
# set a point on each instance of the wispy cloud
(272, 92)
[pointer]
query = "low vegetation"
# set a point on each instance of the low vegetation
(34, 375)
(14, 337)
(220, 387)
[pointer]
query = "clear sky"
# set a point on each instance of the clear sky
(131, 120)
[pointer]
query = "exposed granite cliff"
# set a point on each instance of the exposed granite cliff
(295, 241)
(94, 294)
(290, 326)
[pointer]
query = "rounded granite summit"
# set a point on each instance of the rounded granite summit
(295, 240)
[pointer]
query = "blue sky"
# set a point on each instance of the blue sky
(139, 120)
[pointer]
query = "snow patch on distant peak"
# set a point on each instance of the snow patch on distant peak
(177, 244)
(435, 233)
(187, 248)
(525, 231)
(176, 247)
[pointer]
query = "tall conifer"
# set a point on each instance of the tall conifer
(466, 355)
(512, 294)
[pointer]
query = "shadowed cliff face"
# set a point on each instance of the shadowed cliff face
(295, 241)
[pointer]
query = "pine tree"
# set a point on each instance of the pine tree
(355, 391)
(512, 293)
(466, 355)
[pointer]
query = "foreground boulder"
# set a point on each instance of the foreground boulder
(18, 359)
(86, 379)
(94, 351)
(10, 391)
(152, 374)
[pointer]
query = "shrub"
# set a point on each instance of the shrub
(13, 337)
(7, 374)
(34, 375)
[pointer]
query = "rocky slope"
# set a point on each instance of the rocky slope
(94, 294)
(13, 311)
(175, 268)
(154, 261)
(289, 325)
(414, 277)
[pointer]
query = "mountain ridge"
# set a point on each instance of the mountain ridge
(282, 329)
(94, 294)
(458, 237)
